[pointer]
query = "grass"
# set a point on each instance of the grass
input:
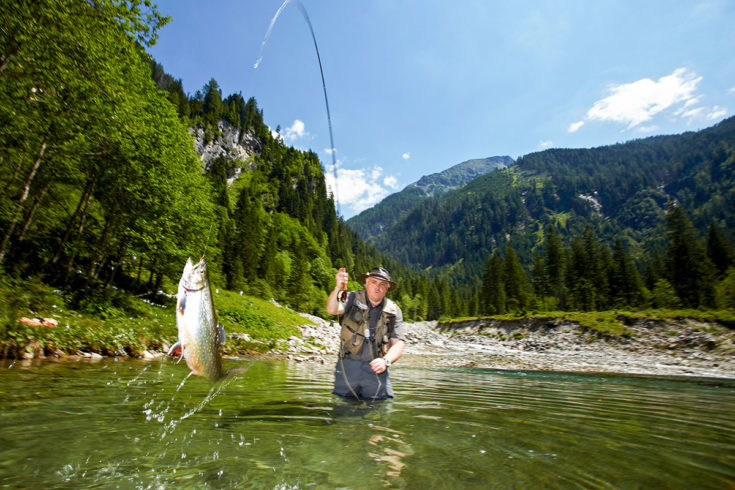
(120, 324)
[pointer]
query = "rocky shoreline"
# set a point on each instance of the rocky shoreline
(682, 348)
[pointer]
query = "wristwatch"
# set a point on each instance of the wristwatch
(387, 362)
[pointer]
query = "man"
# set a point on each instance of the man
(372, 335)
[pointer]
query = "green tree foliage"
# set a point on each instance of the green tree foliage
(100, 176)
(493, 286)
(624, 280)
(719, 250)
(517, 287)
(595, 277)
(726, 290)
(691, 272)
(664, 295)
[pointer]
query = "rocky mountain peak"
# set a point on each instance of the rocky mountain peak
(460, 174)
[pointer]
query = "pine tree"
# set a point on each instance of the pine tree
(664, 296)
(555, 266)
(517, 287)
(493, 286)
(726, 290)
(625, 283)
(299, 282)
(433, 303)
(540, 281)
(580, 276)
(719, 251)
(691, 272)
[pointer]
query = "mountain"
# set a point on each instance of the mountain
(619, 191)
(459, 175)
(383, 215)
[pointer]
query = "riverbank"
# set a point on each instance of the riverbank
(39, 322)
(683, 347)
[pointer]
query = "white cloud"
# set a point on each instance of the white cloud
(732, 90)
(406, 156)
(276, 135)
(359, 189)
(295, 131)
(636, 103)
(575, 126)
(717, 112)
(545, 144)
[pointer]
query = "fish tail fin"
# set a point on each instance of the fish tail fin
(237, 371)
(177, 348)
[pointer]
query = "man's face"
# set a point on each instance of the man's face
(376, 289)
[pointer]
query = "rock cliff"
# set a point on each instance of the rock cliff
(235, 146)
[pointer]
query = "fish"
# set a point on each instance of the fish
(200, 336)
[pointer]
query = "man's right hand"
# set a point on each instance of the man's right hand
(341, 279)
(334, 305)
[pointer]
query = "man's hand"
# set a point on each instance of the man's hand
(334, 305)
(341, 279)
(378, 365)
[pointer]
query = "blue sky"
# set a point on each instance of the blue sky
(415, 87)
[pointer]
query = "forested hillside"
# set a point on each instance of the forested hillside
(615, 196)
(371, 222)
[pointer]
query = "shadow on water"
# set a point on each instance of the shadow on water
(340, 410)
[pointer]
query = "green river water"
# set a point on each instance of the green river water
(137, 424)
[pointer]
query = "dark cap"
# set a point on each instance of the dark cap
(382, 274)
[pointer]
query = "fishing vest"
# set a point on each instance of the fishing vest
(357, 320)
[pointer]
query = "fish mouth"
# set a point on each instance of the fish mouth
(195, 276)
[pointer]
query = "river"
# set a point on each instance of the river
(138, 424)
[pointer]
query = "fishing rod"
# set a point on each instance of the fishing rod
(332, 149)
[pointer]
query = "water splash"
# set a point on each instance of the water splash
(216, 390)
(182, 383)
(135, 379)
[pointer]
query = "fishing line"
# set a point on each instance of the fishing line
(332, 149)
(206, 244)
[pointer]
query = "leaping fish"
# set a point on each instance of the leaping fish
(200, 336)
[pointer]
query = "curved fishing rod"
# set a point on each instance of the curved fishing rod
(332, 149)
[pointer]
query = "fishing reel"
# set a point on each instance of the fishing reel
(342, 296)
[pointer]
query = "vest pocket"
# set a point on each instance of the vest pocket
(351, 340)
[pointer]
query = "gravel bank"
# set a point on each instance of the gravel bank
(685, 348)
